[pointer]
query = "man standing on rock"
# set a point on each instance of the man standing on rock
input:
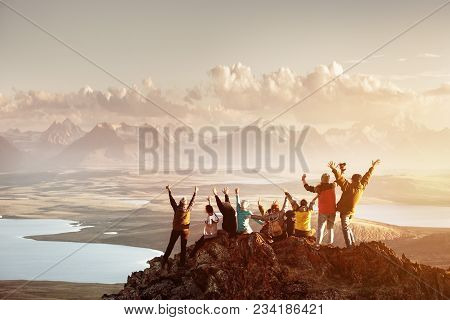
(327, 206)
(351, 194)
(180, 226)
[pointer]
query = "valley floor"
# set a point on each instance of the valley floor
(54, 290)
(132, 210)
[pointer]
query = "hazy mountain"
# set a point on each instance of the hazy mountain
(98, 146)
(61, 133)
(128, 133)
(10, 156)
(23, 140)
(403, 144)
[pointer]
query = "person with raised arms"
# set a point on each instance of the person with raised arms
(210, 228)
(327, 207)
(274, 227)
(229, 223)
(303, 212)
(180, 225)
(243, 215)
(352, 192)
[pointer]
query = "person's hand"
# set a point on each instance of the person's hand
(168, 188)
(332, 165)
(376, 162)
(236, 190)
(215, 191)
(285, 191)
(196, 189)
(304, 177)
(259, 201)
(209, 199)
(225, 190)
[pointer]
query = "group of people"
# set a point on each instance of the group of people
(278, 223)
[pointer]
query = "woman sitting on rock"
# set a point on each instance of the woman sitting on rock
(274, 220)
(229, 214)
(303, 213)
(210, 229)
(243, 215)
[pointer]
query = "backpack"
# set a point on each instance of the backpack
(275, 229)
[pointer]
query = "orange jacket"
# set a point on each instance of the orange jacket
(351, 192)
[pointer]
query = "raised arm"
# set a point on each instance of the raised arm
(306, 185)
(258, 219)
(225, 192)
(173, 203)
(340, 180)
(218, 201)
(261, 207)
(365, 179)
(312, 203)
(238, 200)
(191, 203)
(294, 203)
(284, 204)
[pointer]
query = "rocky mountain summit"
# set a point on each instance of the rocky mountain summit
(248, 267)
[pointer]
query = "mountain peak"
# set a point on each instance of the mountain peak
(248, 267)
(61, 133)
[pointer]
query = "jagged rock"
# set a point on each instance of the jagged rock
(248, 267)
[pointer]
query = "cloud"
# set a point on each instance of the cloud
(428, 55)
(89, 106)
(444, 89)
(351, 96)
(193, 95)
(402, 59)
(235, 95)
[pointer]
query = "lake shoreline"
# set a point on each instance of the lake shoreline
(83, 262)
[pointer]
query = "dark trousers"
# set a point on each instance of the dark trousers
(349, 237)
(183, 234)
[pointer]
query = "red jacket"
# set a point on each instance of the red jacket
(327, 197)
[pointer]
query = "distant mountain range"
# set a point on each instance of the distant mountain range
(402, 145)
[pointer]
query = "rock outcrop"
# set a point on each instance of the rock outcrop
(248, 267)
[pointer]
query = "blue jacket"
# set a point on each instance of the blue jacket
(243, 218)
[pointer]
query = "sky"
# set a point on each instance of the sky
(203, 59)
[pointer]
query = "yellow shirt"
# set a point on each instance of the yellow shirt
(303, 219)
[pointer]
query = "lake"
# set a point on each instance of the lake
(406, 215)
(27, 259)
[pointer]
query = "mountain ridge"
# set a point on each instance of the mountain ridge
(248, 267)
